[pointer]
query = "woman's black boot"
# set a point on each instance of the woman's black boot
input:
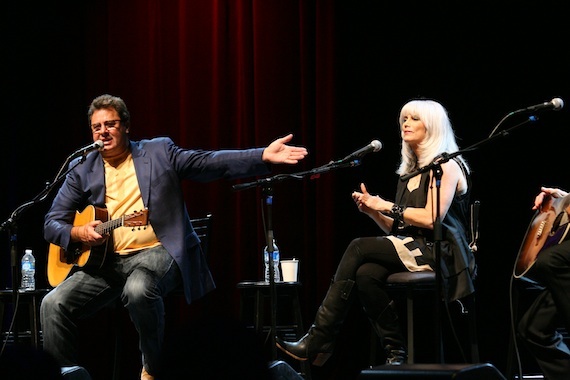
(387, 328)
(318, 343)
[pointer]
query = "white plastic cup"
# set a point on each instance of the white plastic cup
(290, 270)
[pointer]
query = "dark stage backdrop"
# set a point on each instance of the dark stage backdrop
(238, 74)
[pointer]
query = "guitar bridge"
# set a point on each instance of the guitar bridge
(540, 229)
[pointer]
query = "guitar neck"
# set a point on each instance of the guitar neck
(110, 225)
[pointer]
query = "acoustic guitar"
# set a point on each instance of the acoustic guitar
(549, 226)
(61, 262)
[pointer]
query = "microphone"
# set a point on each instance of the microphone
(97, 145)
(374, 146)
(555, 104)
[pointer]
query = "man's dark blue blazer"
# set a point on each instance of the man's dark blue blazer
(160, 166)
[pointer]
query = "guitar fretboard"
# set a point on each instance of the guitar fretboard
(110, 225)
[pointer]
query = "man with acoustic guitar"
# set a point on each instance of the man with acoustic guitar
(134, 183)
(551, 269)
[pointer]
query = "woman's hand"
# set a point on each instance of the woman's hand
(367, 203)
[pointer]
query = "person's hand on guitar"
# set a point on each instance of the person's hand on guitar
(86, 234)
(546, 192)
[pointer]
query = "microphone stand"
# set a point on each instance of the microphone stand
(268, 194)
(267, 188)
(435, 167)
(10, 225)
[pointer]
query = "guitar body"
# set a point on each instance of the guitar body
(60, 263)
(549, 226)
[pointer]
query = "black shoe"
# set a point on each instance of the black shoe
(396, 355)
(300, 350)
(75, 373)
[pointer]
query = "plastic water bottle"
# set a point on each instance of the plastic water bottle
(28, 271)
(276, 274)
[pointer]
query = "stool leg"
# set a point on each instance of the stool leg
(258, 322)
(473, 331)
(373, 348)
(34, 322)
(410, 325)
(2, 313)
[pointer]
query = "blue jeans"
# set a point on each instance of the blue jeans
(141, 280)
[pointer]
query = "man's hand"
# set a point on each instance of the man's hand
(279, 153)
(547, 192)
(86, 234)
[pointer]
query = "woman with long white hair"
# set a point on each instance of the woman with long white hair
(407, 242)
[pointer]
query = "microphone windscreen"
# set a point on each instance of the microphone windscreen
(558, 103)
(377, 145)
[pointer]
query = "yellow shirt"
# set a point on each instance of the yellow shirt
(123, 197)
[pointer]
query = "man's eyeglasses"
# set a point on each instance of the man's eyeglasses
(109, 126)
